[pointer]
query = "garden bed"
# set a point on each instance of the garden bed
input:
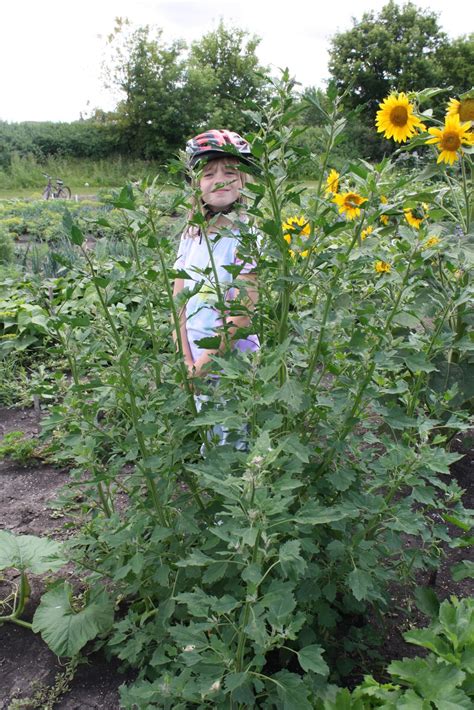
(28, 667)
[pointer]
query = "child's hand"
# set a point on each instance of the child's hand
(201, 365)
(189, 362)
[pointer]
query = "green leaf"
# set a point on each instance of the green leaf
(29, 552)
(417, 362)
(408, 320)
(439, 460)
(396, 418)
(432, 680)
(66, 630)
(310, 659)
(454, 520)
(256, 188)
(314, 514)
(463, 570)
(428, 639)
(225, 604)
(427, 601)
(100, 281)
(292, 394)
(456, 617)
(252, 574)
(198, 602)
(271, 227)
(214, 572)
(77, 236)
(126, 199)
(342, 478)
(210, 343)
(159, 657)
(195, 559)
(280, 608)
(292, 564)
(292, 445)
(102, 222)
(234, 680)
(292, 691)
(411, 701)
(72, 229)
(359, 583)
(450, 375)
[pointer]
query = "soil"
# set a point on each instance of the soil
(404, 616)
(28, 666)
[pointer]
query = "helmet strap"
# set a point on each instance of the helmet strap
(211, 212)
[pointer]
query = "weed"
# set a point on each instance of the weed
(45, 697)
(17, 446)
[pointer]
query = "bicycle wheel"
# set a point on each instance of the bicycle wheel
(47, 193)
(64, 193)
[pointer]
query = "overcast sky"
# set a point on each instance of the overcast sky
(51, 52)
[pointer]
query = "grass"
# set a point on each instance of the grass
(29, 193)
(24, 176)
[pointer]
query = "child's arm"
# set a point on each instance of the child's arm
(188, 358)
(233, 322)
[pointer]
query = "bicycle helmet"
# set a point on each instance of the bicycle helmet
(213, 143)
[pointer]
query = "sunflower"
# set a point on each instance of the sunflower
(396, 119)
(450, 138)
(463, 108)
(385, 219)
(332, 183)
(295, 226)
(431, 242)
(382, 267)
(365, 232)
(349, 202)
(415, 216)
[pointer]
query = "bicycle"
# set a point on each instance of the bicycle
(61, 192)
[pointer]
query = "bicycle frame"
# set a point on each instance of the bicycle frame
(60, 192)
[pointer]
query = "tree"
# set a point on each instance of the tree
(456, 62)
(150, 77)
(227, 57)
(167, 96)
(395, 50)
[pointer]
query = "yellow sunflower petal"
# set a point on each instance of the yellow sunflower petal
(396, 118)
(450, 139)
(463, 108)
(349, 203)
(332, 183)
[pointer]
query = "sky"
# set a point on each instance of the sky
(51, 53)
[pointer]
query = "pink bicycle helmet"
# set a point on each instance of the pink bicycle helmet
(213, 143)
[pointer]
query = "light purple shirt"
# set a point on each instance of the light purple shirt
(202, 317)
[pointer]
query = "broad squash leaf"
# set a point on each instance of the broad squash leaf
(30, 553)
(66, 630)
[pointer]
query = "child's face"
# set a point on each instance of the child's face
(221, 182)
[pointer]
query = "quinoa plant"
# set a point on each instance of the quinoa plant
(240, 574)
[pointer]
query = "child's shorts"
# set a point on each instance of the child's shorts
(219, 434)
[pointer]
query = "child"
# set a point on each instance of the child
(221, 203)
(205, 252)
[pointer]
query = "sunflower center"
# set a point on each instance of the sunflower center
(451, 141)
(466, 110)
(399, 116)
